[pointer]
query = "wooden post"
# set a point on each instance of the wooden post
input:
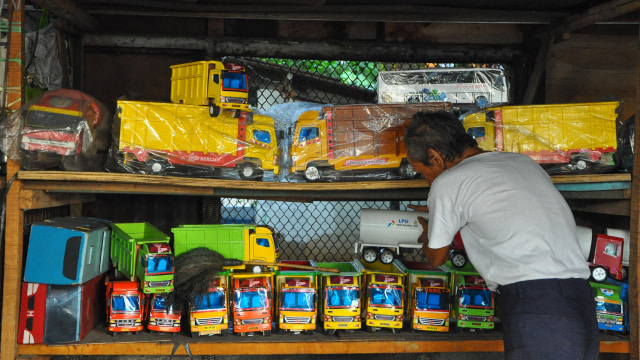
(14, 216)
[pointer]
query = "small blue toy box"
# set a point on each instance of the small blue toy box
(68, 251)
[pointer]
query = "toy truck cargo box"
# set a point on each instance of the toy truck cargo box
(428, 304)
(252, 303)
(62, 128)
(209, 313)
(56, 314)
(354, 137)
(563, 138)
(296, 298)
(211, 83)
(242, 242)
(384, 296)
(125, 306)
(155, 138)
(141, 251)
(341, 297)
(383, 233)
(67, 251)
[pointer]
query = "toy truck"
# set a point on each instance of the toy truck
(210, 83)
(141, 251)
(162, 317)
(384, 233)
(252, 303)
(354, 137)
(64, 127)
(610, 308)
(157, 137)
(125, 306)
(297, 298)
(428, 303)
(232, 241)
(341, 297)
(384, 296)
(562, 138)
(474, 303)
(606, 254)
(209, 313)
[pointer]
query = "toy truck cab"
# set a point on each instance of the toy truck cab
(297, 299)
(610, 308)
(162, 317)
(252, 303)
(210, 83)
(156, 268)
(209, 313)
(64, 123)
(125, 306)
(341, 297)
(607, 258)
(384, 297)
(473, 302)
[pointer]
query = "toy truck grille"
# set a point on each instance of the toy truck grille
(252, 321)
(604, 320)
(166, 322)
(297, 320)
(344, 318)
(476, 318)
(127, 323)
(209, 321)
(434, 322)
(385, 317)
(154, 284)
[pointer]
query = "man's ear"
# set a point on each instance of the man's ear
(435, 158)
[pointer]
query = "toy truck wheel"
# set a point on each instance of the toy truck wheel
(313, 173)
(407, 171)
(248, 171)
(458, 259)
(387, 256)
(330, 332)
(599, 274)
(214, 110)
(369, 255)
(155, 166)
(194, 334)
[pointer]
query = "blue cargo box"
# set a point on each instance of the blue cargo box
(67, 251)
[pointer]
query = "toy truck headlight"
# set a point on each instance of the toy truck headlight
(266, 320)
(399, 318)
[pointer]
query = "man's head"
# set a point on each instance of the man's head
(433, 139)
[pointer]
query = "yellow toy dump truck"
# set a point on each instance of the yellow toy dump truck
(210, 83)
(155, 137)
(563, 138)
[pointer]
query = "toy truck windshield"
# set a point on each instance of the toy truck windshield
(121, 303)
(432, 299)
(297, 299)
(250, 299)
(235, 81)
(159, 305)
(160, 264)
(213, 300)
(342, 297)
(43, 118)
(386, 296)
(475, 298)
(608, 307)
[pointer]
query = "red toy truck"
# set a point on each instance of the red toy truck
(124, 306)
(252, 303)
(160, 316)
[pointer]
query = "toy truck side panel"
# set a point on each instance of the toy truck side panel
(242, 242)
(209, 82)
(354, 137)
(252, 302)
(186, 134)
(341, 297)
(550, 134)
(296, 299)
(124, 306)
(209, 314)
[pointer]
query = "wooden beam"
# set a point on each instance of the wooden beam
(346, 50)
(68, 10)
(596, 14)
(539, 69)
(40, 199)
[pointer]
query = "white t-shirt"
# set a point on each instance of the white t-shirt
(514, 223)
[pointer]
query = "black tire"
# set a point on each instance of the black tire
(458, 259)
(313, 173)
(395, 330)
(386, 256)
(156, 166)
(330, 332)
(247, 171)
(407, 171)
(369, 254)
(214, 110)
(194, 334)
(370, 328)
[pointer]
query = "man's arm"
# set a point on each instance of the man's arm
(436, 257)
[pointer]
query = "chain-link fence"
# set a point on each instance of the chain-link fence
(324, 231)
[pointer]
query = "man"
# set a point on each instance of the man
(518, 232)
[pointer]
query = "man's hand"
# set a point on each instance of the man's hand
(423, 208)
(435, 257)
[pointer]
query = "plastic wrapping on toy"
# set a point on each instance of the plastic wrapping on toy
(184, 140)
(578, 138)
(354, 142)
(468, 88)
(63, 129)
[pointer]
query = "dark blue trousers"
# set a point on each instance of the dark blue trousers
(549, 319)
